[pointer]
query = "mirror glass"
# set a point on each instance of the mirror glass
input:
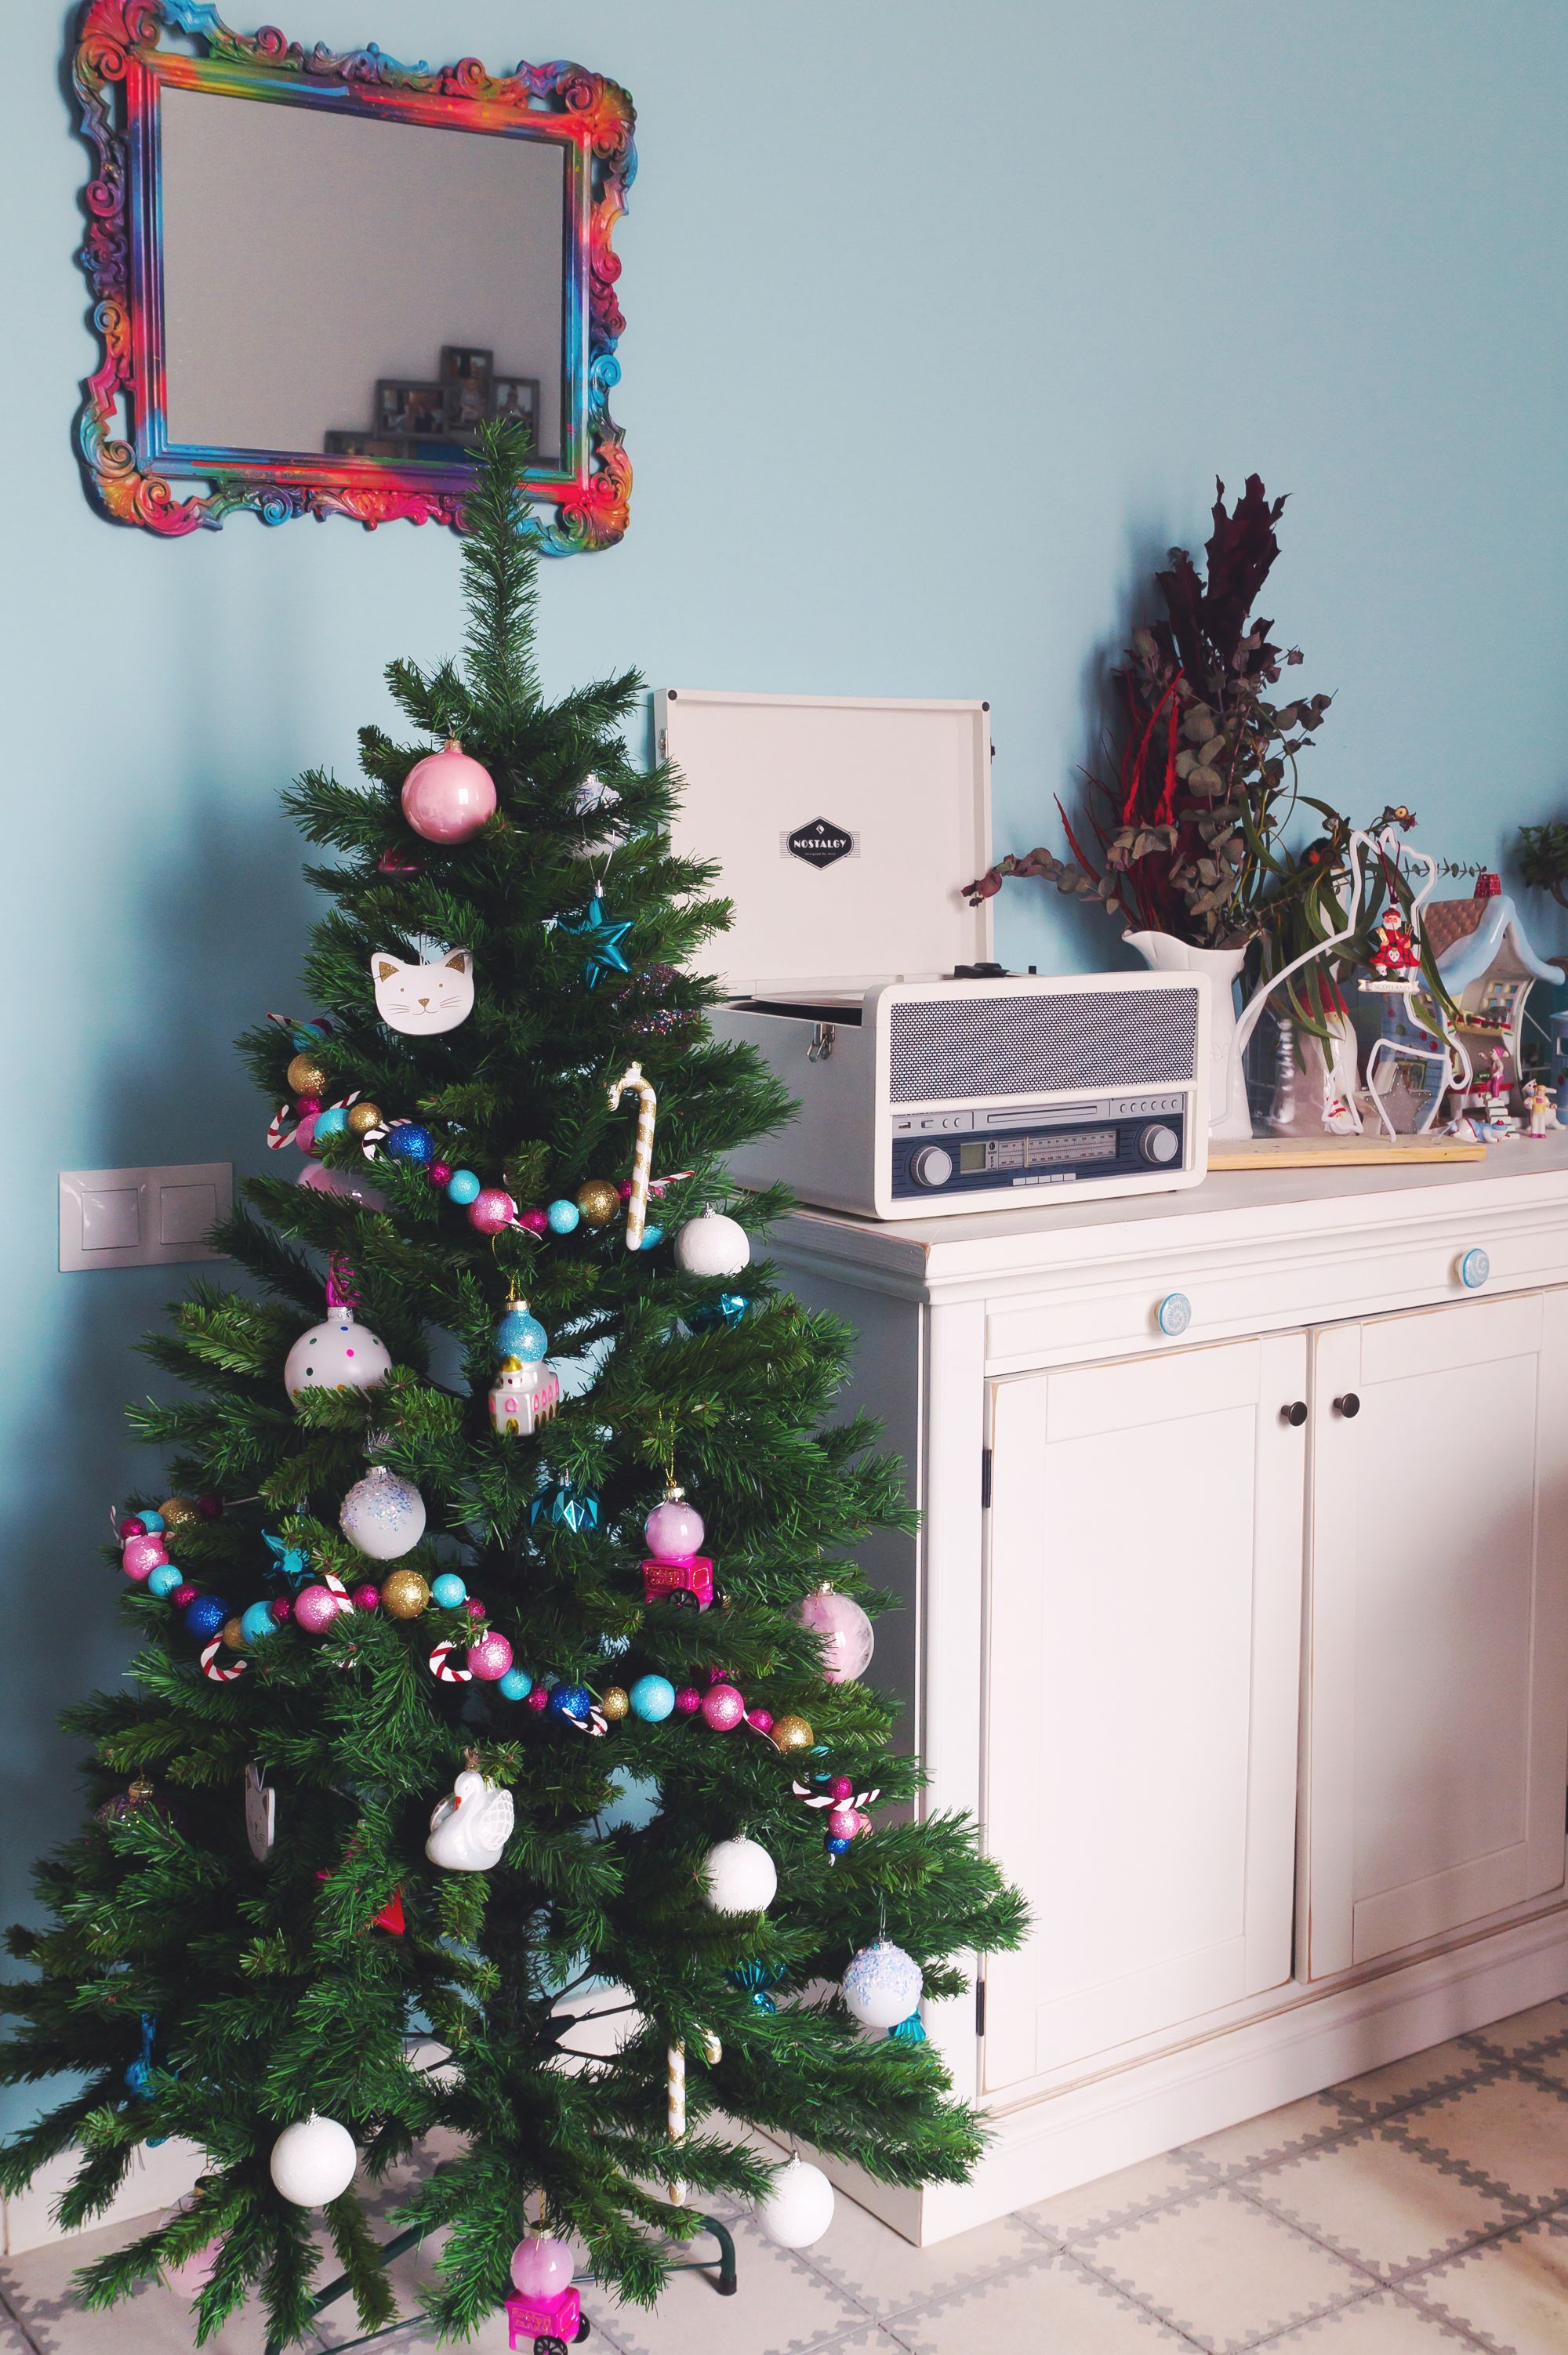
(355, 285)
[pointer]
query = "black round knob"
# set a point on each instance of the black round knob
(931, 1165)
(1350, 1406)
(1294, 1413)
(1161, 1145)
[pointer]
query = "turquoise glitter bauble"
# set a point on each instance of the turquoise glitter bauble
(258, 1622)
(152, 1523)
(563, 1215)
(448, 1589)
(165, 1580)
(330, 1123)
(515, 1685)
(522, 1336)
(463, 1186)
(652, 1699)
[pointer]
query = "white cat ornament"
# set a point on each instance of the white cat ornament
(420, 999)
(469, 1830)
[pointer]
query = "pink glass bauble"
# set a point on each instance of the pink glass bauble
(438, 1174)
(192, 2273)
(183, 1596)
(347, 1183)
(491, 1210)
(282, 1609)
(366, 1598)
(315, 1608)
(689, 1701)
(535, 1220)
(842, 1823)
(674, 1531)
(474, 1607)
(307, 1107)
(490, 1658)
(142, 1556)
(862, 1823)
(541, 2267)
(304, 1135)
(447, 796)
(133, 1527)
(840, 1789)
(539, 1698)
(846, 1634)
(760, 1720)
(722, 1708)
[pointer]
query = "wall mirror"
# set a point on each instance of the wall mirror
(314, 276)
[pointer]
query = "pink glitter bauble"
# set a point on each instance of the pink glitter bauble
(625, 1190)
(307, 1107)
(282, 1609)
(674, 1531)
(539, 1698)
(760, 1720)
(209, 1507)
(447, 796)
(366, 1598)
(304, 1135)
(315, 1608)
(840, 1789)
(438, 1174)
(142, 1556)
(541, 2267)
(490, 1658)
(535, 1220)
(491, 1210)
(722, 1708)
(474, 1607)
(842, 1823)
(689, 1701)
(133, 1527)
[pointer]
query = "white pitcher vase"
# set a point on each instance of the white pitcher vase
(1228, 1113)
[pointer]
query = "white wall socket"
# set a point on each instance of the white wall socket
(142, 1218)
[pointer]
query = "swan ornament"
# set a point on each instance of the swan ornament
(469, 1828)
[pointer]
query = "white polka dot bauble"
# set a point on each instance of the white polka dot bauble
(312, 2162)
(713, 1245)
(383, 1515)
(798, 2210)
(739, 1877)
(335, 1355)
(883, 1984)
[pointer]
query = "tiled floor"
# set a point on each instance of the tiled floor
(1421, 2207)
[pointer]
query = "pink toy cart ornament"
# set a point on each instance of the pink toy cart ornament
(545, 2323)
(677, 1571)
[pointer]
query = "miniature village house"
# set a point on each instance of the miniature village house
(1486, 959)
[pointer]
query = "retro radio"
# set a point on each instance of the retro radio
(928, 1080)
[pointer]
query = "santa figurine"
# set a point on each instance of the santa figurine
(1395, 954)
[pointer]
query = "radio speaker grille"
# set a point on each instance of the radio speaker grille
(944, 1047)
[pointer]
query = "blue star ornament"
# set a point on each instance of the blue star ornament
(602, 939)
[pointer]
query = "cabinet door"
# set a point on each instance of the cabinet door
(1143, 1646)
(1438, 1708)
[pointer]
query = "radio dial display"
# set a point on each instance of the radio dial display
(1039, 1151)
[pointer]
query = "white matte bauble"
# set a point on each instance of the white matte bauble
(798, 2210)
(883, 1984)
(337, 1355)
(383, 1515)
(713, 1245)
(313, 2161)
(739, 1877)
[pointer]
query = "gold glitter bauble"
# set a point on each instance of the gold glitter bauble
(178, 1512)
(614, 1701)
(232, 1635)
(363, 1116)
(793, 1733)
(404, 1594)
(598, 1200)
(306, 1077)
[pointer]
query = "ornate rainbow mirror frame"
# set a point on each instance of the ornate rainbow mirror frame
(314, 276)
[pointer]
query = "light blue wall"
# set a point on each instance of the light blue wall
(943, 320)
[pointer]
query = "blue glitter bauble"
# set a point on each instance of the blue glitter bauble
(515, 1685)
(448, 1589)
(330, 1123)
(652, 1699)
(836, 1846)
(522, 1336)
(409, 1142)
(563, 1217)
(257, 1623)
(571, 1701)
(165, 1580)
(463, 1186)
(205, 1617)
(152, 1523)
(652, 1238)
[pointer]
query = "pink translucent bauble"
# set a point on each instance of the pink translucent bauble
(192, 2273)
(133, 1527)
(846, 1634)
(760, 1720)
(674, 1531)
(689, 1701)
(491, 1210)
(722, 1708)
(541, 2267)
(347, 1183)
(535, 1220)
(142, 1556)
(447, 796)
(539, 1698)
(862, 1823)
(366, 1598)
(184, 1596)
(490, 1658)
(438, 1174)
(474, 1607)
(315, 1608)
(840, 1789)
(307, 1107)
(842, 1823)
(282, 1609)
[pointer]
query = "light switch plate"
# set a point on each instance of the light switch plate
(142, 1218)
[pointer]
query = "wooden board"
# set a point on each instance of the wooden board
(1327, 1152)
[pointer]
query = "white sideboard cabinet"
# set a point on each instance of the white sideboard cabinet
(1238, 1620)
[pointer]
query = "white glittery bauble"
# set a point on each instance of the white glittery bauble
(798, 2210)
(382, 1515)
(739, 1877)
(313, 2161)
(337, 1355)
(883, 1984)
(713, 1245)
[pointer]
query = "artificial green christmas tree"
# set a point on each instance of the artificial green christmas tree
(436, 1594)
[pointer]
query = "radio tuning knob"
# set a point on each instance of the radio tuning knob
(1161, 1145)
(931, 1165)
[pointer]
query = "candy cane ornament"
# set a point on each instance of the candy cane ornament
(675, 2110)
(222, 1671)
(642, 1157)
(442, 1669)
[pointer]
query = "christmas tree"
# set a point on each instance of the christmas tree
(433, 1591)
